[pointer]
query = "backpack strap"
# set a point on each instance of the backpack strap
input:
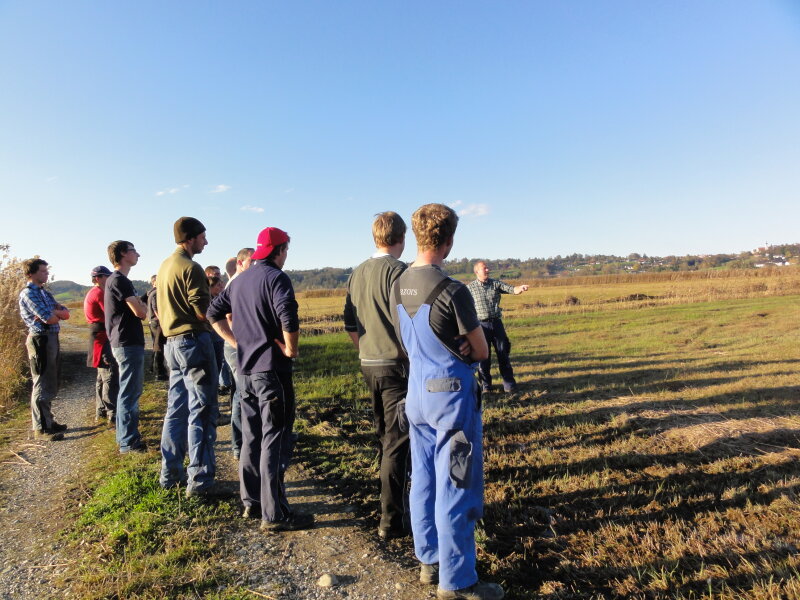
(440, 287)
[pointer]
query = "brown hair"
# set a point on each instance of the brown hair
(211, 270)
(388, 229)
(31, 266)
(230, 266)
(116, 250)
(277, 250)
(433, 225)
(245, 253)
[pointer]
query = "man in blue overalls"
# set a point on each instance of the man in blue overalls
(434, 315)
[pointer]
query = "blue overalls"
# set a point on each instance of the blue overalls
(446, 450)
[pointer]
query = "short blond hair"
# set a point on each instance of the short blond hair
(433, 225)
(388, 229)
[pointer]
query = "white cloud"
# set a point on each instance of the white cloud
(219, 189)
(475, 210)
(52, 179)
(166, 191)
(255, 209)
(456, 204)
(289, 191)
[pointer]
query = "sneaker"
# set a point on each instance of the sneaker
(509, 388)
(429, 574)
(480, 590)
(58, 427)
(49, 435)
(294, 522)
(486, 389)
(251, 512)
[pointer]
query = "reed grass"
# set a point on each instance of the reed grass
(13, 356)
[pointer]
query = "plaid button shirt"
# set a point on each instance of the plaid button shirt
(487, 297)
(36, 305)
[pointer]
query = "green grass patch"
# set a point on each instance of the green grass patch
(651, 452)
(134, 539)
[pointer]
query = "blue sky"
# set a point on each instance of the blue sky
(552, 127)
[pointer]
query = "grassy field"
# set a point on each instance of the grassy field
(652, 449)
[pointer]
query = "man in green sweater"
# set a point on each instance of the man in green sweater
(368, 321)
(190, 423)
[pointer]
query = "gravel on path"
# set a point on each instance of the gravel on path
(283, 565)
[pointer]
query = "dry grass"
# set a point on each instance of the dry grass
(13, 356)
(652, 451)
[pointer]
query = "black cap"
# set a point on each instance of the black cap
(187, 228)
(101, 270)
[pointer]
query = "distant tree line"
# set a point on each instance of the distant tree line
(573, 265)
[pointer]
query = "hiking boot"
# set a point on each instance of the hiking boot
(429, 574)
(479, 590)
(58, 427)
(212, 492)
(49, 435)
(251, 512)
(141, 448)
(294, 522)
(391, 533)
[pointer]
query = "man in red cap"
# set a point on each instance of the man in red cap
(265, 333)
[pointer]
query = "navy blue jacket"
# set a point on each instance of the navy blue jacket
(261, 300)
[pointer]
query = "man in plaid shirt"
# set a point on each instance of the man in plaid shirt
(41, 314)
(486, 294)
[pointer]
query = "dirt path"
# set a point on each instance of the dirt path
(285, 565)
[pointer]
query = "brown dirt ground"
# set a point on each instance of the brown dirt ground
(35, 483)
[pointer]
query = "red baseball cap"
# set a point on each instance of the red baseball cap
(267, 240)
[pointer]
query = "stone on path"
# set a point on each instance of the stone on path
(327, 580)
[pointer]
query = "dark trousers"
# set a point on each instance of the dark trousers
(159, 361)
(268, 407)
(387, 386)
(44, 355)
(496, 338)
(106, 391)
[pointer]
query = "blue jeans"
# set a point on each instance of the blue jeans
(190, 423)
(131, 379)
(232, 361)
(219, 351)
